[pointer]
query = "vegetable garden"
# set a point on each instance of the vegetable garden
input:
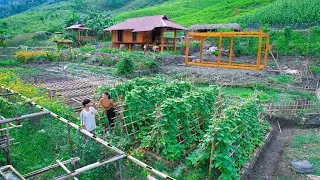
(173, 120)
(50, 140)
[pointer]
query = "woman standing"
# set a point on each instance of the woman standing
(107, 103)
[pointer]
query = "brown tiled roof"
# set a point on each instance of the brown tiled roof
(147, 23)
(78, 26)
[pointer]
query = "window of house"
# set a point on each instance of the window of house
(120, 34)
(134, 36)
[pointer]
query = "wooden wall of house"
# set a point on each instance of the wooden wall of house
(142, 37)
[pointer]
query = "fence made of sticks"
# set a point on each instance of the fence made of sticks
(98, 156)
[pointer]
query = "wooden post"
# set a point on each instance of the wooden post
(121, 110)
(70, 144)
(259, 51)
(220, 48)
(2, 132)
(45, 169)
(231, 50)
(130, 47)
(213, 146)
(79, 37)
(266, 53)
(8, 145)
(201, 50)
(162, 39)
(175, 40)
(186, 59)
(91, 166)
(65, 168)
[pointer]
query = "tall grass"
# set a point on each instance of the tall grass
(286, 12)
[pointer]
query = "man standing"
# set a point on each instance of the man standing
(87, 118)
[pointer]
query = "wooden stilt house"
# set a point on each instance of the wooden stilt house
(142, 31)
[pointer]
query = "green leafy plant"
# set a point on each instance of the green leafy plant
(87, 48)
(126, 65)
(281, 79)
(315, 69)
(235, 134)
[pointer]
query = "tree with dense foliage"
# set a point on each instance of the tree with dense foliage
(10, 7)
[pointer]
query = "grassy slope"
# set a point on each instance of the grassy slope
(52, 17)
(30, 21)
(188, 12)
(286, 12)
(49, 17)
(137, 4)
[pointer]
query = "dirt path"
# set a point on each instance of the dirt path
(271, 162)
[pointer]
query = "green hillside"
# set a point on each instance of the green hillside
(51, 17)
(10, 7)
(188, 12)
(286, 12)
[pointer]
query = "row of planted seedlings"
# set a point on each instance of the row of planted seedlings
(40, 142)
(174, 120)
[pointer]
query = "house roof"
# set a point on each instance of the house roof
(146, 23)
(212, 27)
(78, 26)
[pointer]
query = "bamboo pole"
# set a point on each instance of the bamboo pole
(213, 146)
(23, 117)
(90, 167)
(258, 63)
(231, 50)
(162, 39)
(175, 40)
(79, 38)
(265, 61)
(70, 141)
(65, 168)
(186, 59)
(7, 94)
(40, 171)
(121, 120)
(220, 49)
(8, 146)
(11, 127)
(201, 50)
(145, 166)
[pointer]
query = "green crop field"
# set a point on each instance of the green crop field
(188, 12)
(286, 12)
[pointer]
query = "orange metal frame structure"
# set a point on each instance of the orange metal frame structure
(219, 63)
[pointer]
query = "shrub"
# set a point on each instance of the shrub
(40, 36)
(195, 44)
(8, 62)
(87, 48)
(109, 50)
(148, 64)
(107, 61)
(31, 56)
(315, 69)
(125, 65)
(281, 79)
